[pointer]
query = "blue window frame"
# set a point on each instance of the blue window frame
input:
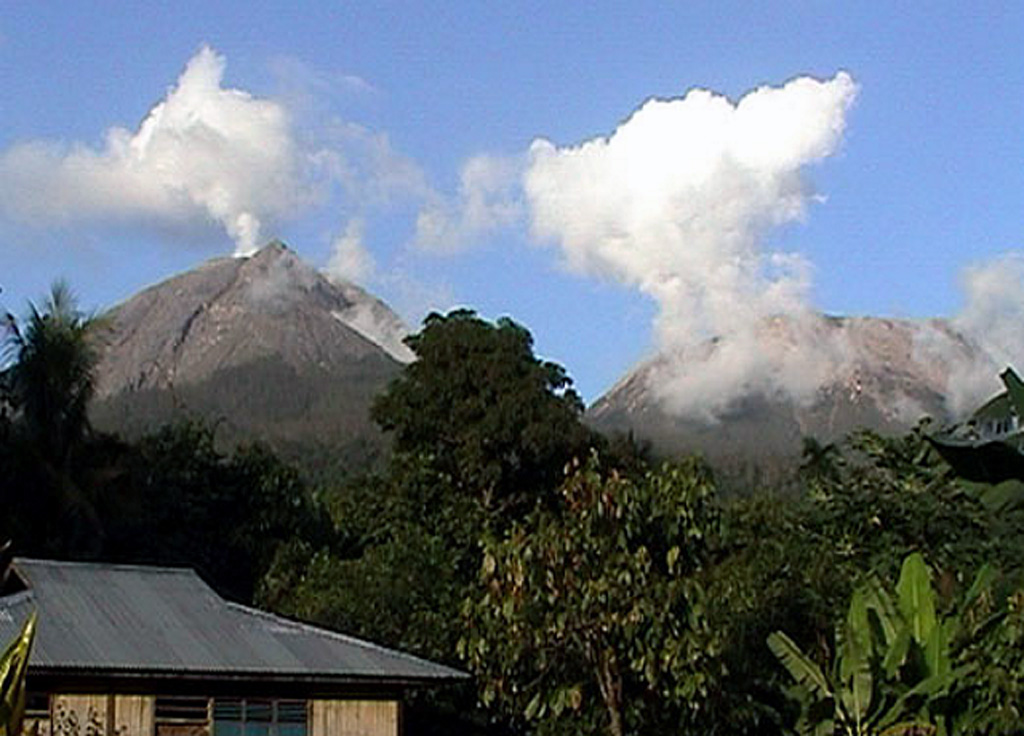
(259, 717)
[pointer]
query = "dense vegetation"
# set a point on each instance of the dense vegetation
(589, 589)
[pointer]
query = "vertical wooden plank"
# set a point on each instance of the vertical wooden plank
(355, 718)
(134, 715)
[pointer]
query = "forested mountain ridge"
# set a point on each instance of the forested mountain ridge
(267, 347)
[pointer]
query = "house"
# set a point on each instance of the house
(126, 650)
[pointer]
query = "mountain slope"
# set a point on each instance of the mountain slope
(882, 377)
(263, 346)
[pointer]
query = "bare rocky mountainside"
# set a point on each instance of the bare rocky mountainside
(881, 374)
(266, 347)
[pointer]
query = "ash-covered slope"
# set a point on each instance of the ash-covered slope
(876, 373)
(264, 346)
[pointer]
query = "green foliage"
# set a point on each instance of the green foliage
(402, 592)
(48, 379)
(224, 515)
(13, 669)
(991, 686)
(893, 666)
(591, 614)
(53, 373)
(771, 572)
(404, 549)
(792, 564)
(481, 430)
(495, 419)
(894, 496)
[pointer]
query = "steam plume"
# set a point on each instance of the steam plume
(991, 324)
(350, 260)
(676, 203)
(204, 153)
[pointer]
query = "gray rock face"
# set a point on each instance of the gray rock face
(882, 375)
(261, 345)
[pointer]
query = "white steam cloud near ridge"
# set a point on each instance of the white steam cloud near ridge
(990, 328)
(676, 202)
(204, 152)
(350, 259)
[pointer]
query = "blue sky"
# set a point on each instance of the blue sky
(926, 178)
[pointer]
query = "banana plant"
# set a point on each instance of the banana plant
(13, 668)
(893, 663)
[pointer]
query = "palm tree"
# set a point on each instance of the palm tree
(50, 378)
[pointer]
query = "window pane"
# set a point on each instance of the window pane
(227, 728)
(227, 709)
(258, 710)
(291, 711)
(255, 728)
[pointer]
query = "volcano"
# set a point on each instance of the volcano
(263, 347)
(882, 375)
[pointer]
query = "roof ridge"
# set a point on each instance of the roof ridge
(140, 567)
(340, 636)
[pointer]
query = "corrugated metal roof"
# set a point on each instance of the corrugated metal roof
(126, 618)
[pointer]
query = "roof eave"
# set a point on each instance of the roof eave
(220, 676)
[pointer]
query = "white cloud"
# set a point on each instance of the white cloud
(204, 152)
(370, 172)
(306, 86)
(676, 203)
(489, 198)
(350, 260)
(989, 333)
(993, 310)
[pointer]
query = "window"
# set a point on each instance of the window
(178, 715)
(258, 717)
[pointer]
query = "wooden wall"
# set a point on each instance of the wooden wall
(354, 718)
(134, 715)
(101, 715)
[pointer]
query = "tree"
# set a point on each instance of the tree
(482, 432)
(497, 420)
(793, 566)
(47, 386)
(992, 685)
(53, 375)
(396, 572)
(590, 615)
(225, 515)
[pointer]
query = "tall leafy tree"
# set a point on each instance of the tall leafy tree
(482, 431)
(500, 422)
(590, 616)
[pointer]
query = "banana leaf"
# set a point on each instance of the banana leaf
(13, 668)
(916, 597)
(800, 667)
